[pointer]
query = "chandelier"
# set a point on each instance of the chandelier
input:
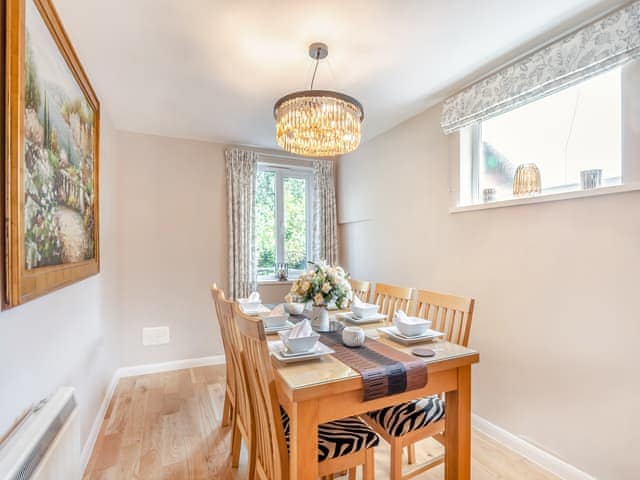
(318, 123)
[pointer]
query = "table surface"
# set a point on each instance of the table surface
(329, 369)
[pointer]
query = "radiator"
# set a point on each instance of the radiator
(45, 445)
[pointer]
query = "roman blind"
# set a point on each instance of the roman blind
(599, 46)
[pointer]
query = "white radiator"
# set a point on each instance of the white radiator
(46, 443)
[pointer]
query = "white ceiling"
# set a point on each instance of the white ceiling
(212, 70)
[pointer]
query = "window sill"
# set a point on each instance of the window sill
(551, 197)
(275, 282)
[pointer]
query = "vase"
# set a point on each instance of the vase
(321, 315)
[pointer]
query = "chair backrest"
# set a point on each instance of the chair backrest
(233, 353)
(272, 459)
(391, 298)
(449, 313)
(361, 289)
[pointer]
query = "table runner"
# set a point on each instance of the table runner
(384, 370)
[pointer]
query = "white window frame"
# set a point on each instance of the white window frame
(281, 171)
(473, 139)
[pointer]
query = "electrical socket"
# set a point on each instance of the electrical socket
(155, 336)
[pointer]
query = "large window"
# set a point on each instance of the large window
(576, 129)
(283, 220)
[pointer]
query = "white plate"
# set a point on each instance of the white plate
(394, 334)
(351, 317)
(278, 350)
(287, 326)
(255, 311)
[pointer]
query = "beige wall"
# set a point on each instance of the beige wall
(173, 244)
(68, 337)
(557, 322)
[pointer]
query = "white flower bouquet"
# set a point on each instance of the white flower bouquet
(323, 284)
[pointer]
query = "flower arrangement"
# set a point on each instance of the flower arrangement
(323, 284)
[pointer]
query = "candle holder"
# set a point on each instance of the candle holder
(526, 181)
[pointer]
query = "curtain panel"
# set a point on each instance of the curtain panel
(593, 49)
(325, 217)
(242, 167)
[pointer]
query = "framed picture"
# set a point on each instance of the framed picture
(52, 125)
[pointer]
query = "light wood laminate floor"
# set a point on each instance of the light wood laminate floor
(167, 426)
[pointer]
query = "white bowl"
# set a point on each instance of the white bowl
(365, 311)
(412, 326)
(295, 308)
(272, 321)
(300, 344)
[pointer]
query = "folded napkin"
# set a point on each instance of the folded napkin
(302, 329)
(277, 311)
(357, 302)
(254, 297)
(400, 315)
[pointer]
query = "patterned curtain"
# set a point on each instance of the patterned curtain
(242, 167)
(325, 217)
(588, 51)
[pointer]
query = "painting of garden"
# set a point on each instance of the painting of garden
(58, 155)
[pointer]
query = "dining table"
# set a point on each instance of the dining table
(325, 389)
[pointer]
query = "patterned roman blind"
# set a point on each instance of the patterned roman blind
(588, 51)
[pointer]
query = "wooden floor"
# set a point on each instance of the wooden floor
(167, 426)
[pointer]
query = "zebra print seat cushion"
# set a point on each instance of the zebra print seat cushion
(401, 419)
(340, 437)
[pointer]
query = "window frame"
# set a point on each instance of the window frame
(281, 171)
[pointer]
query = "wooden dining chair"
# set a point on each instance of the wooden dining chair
(361, 289)
(239, 407)
(228, 410)
(405, 424)
(391, 298)
(343, 444)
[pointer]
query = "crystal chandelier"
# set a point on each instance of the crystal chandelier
(318, 123)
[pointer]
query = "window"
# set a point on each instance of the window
(283, 219)
(579, 128)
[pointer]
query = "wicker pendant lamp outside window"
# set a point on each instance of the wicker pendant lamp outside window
(318, 123)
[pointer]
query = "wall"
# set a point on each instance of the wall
(173, 244)
(68, 337)
(556, 286)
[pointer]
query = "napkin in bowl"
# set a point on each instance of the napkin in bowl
(410, 326)
(302, 329)
(357, 302)
(254, 297)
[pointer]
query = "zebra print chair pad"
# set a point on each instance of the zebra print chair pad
(340, 437)
(401, 419)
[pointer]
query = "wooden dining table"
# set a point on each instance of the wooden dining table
(325, 389)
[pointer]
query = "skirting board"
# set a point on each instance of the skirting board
(130, 372)
(532, 453)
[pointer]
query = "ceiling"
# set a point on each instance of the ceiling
(212, 70)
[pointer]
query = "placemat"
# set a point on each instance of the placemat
(384, 370)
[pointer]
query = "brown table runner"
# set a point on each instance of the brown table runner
(384, 370)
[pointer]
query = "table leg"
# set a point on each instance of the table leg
(458, 429)
(304, 441)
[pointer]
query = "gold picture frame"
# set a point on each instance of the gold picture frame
(51, 145)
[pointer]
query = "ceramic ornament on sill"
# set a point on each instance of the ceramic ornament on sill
(323, 284)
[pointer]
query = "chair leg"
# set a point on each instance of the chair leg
(396, 460)
(411, 453)
(368, 469)
(226, 410)
(352, 473)
(236, 441)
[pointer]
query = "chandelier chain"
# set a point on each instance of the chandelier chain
(316, 68)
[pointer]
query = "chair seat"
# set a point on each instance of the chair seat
(401, 419)
(340, 437)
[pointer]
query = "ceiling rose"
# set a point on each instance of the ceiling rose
(318, 123)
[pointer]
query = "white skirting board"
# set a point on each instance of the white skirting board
(532, 453)
(130, 372)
